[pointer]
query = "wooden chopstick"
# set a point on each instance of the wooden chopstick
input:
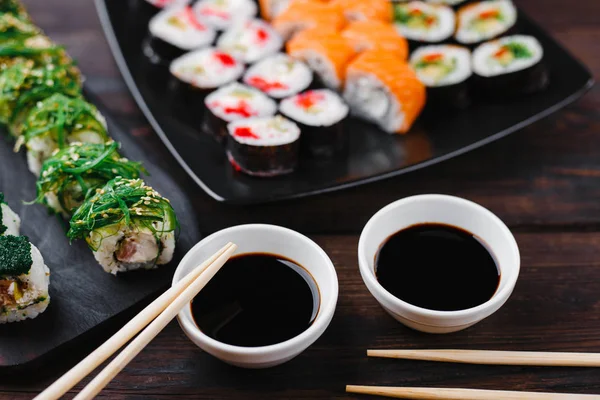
(114, 343)
(463, 394)
(491, 357)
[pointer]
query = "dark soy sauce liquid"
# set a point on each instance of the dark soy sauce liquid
(257, 299)
(438, 267)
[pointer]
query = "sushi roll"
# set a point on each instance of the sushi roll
(263, 146)
(452, 3)
(309, 14)
(175, 31)
(24, 280)
(445, 70)
(485, 20)
(383, 90)
(142, 9)
(279, 76)
(231, 103)
(509, 66)
(13, 7)
(270, 9)
(40, 49)
(364, 10)
(127, 225)
(13, 27)
(160, 4)
(10, 223)
(70, 175)
(320, 114)
(222, 14)
(372, 35)
(250, 41)
(57, 121)
(326, 53)
(423, 23)
(205, 70)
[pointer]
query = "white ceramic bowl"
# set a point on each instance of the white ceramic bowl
(268, 239)
(447, 210)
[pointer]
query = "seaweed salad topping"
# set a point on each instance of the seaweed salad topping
(13, 27)
(2, 226)
(124, 201)
(38, 48)
(74, 173)
(13, 7)
(15, 255)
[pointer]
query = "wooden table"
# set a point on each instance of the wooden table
(544, 182)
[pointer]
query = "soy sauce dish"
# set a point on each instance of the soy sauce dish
(438, 263)
(268, 303)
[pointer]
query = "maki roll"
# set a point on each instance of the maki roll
(385, 91)
(231, 103)
(24, 280)
(10, 223)
(159, 4)
(264, 147)
(444, 69)
(147, 8)
(175, 31)
(423, 23)
(485, 20)
(13, 7)
(279, 76)
(372, 35)
(13, 27)
(128, 226)
(309, 14)
(205, 70)
(326, 53)
(56, 122)
(40, 49)
(452, 3)
(364, 10)
(320, 114)
(250, 41)
(270, 9)
(72, 174)
(509, 66)
(222, 14)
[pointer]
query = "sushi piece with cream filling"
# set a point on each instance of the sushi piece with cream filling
(485, 20)
(279, 76)
(10, 223)
(423, 23)
(222, 14)
(250, 41)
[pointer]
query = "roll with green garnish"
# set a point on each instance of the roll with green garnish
(75, 172)
(15, 27)
(128, 226)
(38, 48)
(13, 7)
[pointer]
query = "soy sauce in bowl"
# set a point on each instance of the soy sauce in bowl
(257, 299)
(438, 267)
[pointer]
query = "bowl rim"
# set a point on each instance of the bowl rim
(315, 330)
(495, 302)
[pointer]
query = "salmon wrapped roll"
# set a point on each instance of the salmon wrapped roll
(327, 54)
(362, 10)
(372, 35)
(383, 89)
(309, 14)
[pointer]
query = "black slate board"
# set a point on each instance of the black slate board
(373, 155)
(83, 296)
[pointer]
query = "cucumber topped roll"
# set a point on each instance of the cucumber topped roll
(40, 49)
(250, 41)
(485, 20)
(175, 31)
(128, 226)
(70, 175)
(222, 14)
(421, 22)
(279, 76)
(24, 280)
(13, 27)
(56, 122)
(10, 223)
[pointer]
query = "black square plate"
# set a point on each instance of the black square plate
(373, 155)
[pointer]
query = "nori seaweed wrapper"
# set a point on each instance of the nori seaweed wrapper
(74, 173)
(263, 161)
(161, 52)
(323, 141)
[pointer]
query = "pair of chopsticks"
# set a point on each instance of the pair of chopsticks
(482, 357)
(153, 318)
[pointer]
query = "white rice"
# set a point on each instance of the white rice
(467, 32)
(459, 55)
(293, 75)
(173, 26)
(256, 103)
(276, 7)
(250, 41)
(167, 3)
(328, 109)
(322, 67)
(442, 29)
(485, 65)
(10, 220)
(268, 131)
(221, 14)
(203, 68)
(35, 298)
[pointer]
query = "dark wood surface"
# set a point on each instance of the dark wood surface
(544, 182)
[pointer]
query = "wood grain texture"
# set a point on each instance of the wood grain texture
(544, 182)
